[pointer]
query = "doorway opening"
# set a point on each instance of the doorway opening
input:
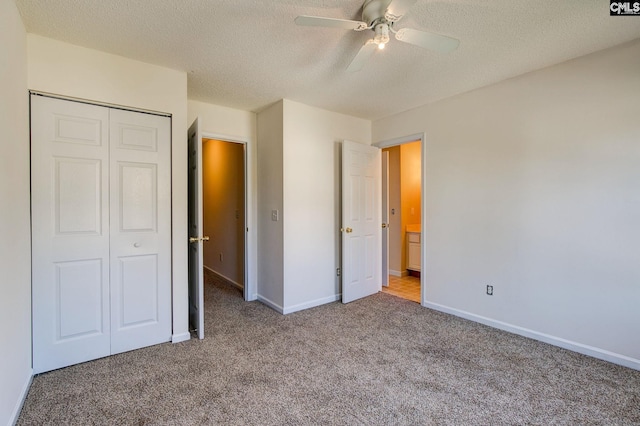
(224, 213)
(223, 171)
(402, 208)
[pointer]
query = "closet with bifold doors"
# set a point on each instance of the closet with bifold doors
(101, 231)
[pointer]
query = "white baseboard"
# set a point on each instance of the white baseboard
(13, 419)
(594, 352)
(312, 303)
(273, 305)
(229, 280)
(181, 337)
(400, 274)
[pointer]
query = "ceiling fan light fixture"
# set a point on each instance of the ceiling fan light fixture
(382, 35)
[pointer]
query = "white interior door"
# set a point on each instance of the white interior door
(140, 237)
(70, 232)
(196, 285)
(385, 218)
(361, 221)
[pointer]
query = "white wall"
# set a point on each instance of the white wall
(15, 248)
(311, 209)
(218, 120)
(236, 125)
(65, 69)
(299, 175)
(270, 233)
(532, 185)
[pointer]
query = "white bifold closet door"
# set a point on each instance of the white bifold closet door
(101, 231)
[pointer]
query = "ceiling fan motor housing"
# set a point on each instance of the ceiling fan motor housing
(373, 11)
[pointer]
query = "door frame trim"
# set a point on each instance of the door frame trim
(250, 234)
(388, 143)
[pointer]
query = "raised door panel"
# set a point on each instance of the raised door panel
(138, 188)
(140, 225)
(78, 196)
(138, 280)
(79, 299)
(70, 244)
(77, 129)
(137, 137)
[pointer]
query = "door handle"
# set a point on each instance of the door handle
(348, 230)
(196, 239)
(385, 225)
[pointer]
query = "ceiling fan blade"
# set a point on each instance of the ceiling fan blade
(397, 9)
(317, 21)
(363, 55)
(431, 41)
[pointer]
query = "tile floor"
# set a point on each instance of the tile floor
(405, 287)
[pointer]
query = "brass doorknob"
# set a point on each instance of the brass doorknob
(348, 230)
(196, 239)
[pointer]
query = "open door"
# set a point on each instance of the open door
(196, 285)
(361, 221)
(385, 218)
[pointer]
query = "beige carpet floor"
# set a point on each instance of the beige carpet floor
(380, 360)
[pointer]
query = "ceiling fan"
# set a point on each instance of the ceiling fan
(380, 16)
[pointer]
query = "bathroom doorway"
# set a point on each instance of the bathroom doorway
(404, 224)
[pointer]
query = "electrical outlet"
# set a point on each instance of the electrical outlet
(274, 215)
(338, 272)
(490, 290)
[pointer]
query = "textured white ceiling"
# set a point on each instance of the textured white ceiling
(248, 54)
